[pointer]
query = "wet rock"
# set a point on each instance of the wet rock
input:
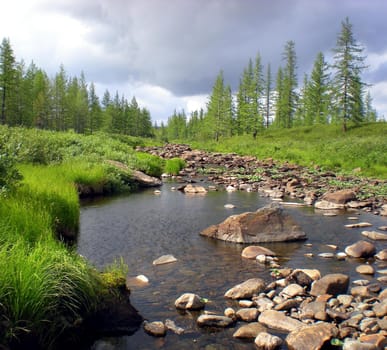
(378, 340)
(194, 189)
(314, 310)
(157, 328)
(189, 301)
(383, 210)
(311, 337)
(169, 324)
(333, 284)
(229, 206)
(361, 249)
(300, 277)
(247, 289)
(380, 309)
(263, 303)
(266, 341)
(268, 224)
(247, 314)
(382, 255)
(253, 251)
(350, 344)
(214, 321)
(326, 255)
(250, 330)
(230, 312)
(138, 281)
(361, 291)
(164, 259)
(358, 224)
(345, 299)
(365, 269)
(292, 290)
(374, 235)
(325, 205)
(287, 304)
(278, 320)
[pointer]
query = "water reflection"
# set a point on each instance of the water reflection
(143, 226)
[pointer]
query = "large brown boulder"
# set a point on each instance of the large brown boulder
(247, 289)
(311, 337)
(361, 249)
(340, 197)
(268, 224)
(334, 284)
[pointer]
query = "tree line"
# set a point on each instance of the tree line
(28, 97)
(333, 93)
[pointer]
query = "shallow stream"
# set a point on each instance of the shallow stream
(141, 227)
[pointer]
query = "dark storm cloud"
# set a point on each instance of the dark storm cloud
(181, 45)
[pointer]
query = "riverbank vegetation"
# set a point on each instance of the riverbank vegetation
(45, 286)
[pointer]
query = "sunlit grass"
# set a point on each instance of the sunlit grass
(363, 148)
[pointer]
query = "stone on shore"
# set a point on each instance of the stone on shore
(268, 224)
(278, 320)
(339, 197)
(334, 284)
(361, 249)
(250, 330)
(247, 289)
(266, 341)
(311, 337)
(189, 301)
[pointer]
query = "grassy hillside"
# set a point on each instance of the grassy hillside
(362, 150)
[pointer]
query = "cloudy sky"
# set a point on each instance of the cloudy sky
(167, 53)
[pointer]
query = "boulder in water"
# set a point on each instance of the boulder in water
(268, 224)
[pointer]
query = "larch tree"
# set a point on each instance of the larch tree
(7, 80)
(267, 94)
(348, 65)
(289, 85)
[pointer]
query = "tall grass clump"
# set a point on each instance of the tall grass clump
(37, 284)
(173, 166)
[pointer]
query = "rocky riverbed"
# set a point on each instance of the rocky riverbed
(313, 186)
(299, 308)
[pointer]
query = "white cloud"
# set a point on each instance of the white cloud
(379, 95)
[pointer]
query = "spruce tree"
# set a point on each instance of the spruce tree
(267, 94)
(348, 65)
(317, 93)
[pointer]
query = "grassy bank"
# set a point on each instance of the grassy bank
(46, 288)
(361, 150)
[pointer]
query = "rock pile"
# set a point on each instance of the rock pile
(275, 180)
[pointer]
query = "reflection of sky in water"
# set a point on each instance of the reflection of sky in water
(143, 226)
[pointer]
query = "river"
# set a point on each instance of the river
(142, 226)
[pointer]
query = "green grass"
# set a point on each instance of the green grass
(362, 149)
(45, 287)
(173, 166)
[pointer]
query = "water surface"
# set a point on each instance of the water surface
(141, 227)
